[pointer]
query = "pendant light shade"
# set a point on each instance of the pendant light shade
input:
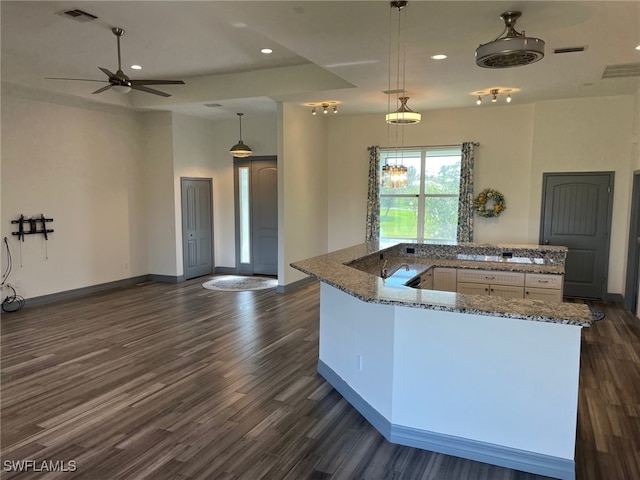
(240, 150)
(404, 115)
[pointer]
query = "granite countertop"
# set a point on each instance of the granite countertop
(331, 269)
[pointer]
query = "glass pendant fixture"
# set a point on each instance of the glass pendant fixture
(240, 150)
(394, 176)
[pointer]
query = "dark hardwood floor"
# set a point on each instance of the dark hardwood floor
(171, 381)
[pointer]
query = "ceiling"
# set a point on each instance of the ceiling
(322, 51)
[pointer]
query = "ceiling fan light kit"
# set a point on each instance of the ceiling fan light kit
(511, 48)
(240, 150)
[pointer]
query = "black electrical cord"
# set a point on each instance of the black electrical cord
(7, 271)
(12, 302)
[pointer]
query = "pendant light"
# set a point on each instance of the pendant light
(403, 115)
(240, 150)
(396, 175)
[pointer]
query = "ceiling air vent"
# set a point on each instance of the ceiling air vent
(569, 49)
(622, 70)
(77, 15)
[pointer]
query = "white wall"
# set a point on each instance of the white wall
(302, 189)
(81, 164)
(184, 146)
(517, 144)
(584, 135)
(503, 162)
(157, 144)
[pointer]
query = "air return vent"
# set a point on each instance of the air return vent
(570, 49)
(77, 15)
(622, 70)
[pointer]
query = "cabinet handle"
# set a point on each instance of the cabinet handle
(526, 293)
(543, 281)
(491, 289)
(486, 289)
(487, 277)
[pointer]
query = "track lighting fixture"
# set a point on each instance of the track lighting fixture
(325, 106)
(494, 93)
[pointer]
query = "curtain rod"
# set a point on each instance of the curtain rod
(476, 144)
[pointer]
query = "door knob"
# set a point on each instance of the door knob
(546, 242)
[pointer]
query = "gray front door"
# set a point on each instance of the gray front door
(576, 213)
(256, 215)
(197, 231)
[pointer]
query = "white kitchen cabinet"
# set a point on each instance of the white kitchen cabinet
(539, 286)
(426, 280)
(444, 279)
(489, 282)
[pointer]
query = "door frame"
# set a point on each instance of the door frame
(633, 255)
(609, 219)
(237, 162)
(182, 236)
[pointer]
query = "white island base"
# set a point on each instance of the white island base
(498, 390)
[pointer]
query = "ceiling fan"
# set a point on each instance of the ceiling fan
(121, 82)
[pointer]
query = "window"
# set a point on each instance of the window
(426, 210)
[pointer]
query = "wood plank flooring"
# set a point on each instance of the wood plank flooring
(171, 381)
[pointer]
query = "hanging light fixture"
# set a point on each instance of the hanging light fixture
(403, 115)
(240, 150)
(396, 174)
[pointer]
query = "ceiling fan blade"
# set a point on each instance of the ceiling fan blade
(142, 88)
(107, 72)
(100, 90)
(79, 79)
(157, 82)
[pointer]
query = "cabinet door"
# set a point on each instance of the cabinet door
(444, 279)
(506, 291)
(473, 288)
(546, 294)
(426, 280)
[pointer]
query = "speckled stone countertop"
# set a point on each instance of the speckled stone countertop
(333, 269)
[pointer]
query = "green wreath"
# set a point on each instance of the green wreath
(491, 210)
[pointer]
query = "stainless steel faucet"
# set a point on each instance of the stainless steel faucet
(405, 265)
(383, 271)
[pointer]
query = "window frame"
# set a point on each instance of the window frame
(425, 152)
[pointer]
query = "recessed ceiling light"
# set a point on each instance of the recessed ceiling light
(136, 67)
(439, 56)
(266, 51)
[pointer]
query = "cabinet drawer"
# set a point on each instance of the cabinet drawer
(492, 277)
(545, 294)
(542, 280)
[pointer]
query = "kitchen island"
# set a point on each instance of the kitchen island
(484, 378)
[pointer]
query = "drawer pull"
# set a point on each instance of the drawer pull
(487, 277)
(543, 281)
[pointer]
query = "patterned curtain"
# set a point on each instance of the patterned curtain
(465, 205)
(373, 196)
